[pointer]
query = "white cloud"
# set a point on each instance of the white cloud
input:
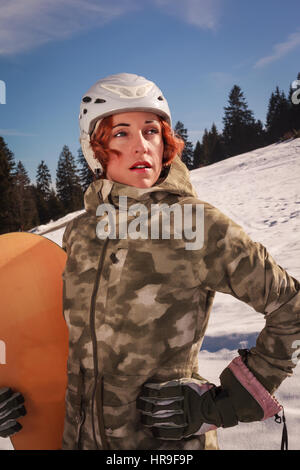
(31, 23)
(202, 13)
(280, 50)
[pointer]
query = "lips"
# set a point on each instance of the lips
(140, 165)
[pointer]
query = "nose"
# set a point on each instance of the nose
(140, 143)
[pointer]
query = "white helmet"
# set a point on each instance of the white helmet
(114, 94)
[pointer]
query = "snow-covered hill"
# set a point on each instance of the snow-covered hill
(54, 230)
(259, 190)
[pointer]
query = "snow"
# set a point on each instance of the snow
(260, 191)
(54, 230)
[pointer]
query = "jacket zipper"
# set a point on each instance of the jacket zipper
(95, 351)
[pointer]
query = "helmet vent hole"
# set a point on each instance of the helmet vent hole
(99, 100)
(87, 99)
(84, 111)
(141, 91)
(126, 92)
(160, 98)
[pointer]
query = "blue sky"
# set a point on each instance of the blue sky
(52, 51)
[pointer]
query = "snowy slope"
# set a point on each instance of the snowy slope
(54, 230)
(260, 191)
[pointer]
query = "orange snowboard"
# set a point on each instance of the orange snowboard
(33, 335)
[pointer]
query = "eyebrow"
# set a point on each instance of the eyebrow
(128, 125)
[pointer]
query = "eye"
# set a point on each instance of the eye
(153, 130)
(122, 133)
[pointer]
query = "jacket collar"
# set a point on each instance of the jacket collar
(176, 181)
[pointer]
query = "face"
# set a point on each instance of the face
(138, 138)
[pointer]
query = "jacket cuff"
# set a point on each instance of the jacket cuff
(267, 402)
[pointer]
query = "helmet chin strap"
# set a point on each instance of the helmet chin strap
(98, 172)
(96, 127)
(88, 152)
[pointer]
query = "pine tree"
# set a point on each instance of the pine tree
(259, 134)
(43, 191)
(55, 207)
(278, 116)
(22, 183)
(86, 176)
(67, 182)
(43, 179)
(198, 156)
(240, 127)
(206, 148)
(270, 119)
(7, 199)
(213, 148)
(188, 153)
(26, 210)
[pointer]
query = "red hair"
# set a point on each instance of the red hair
(173, 144)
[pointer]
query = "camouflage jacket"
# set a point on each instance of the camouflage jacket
(137, 309)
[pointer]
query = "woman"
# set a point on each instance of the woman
(137, 303)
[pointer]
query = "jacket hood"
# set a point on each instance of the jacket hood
(176, 181)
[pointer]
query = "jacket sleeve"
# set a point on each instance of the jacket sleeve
(232, 263)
